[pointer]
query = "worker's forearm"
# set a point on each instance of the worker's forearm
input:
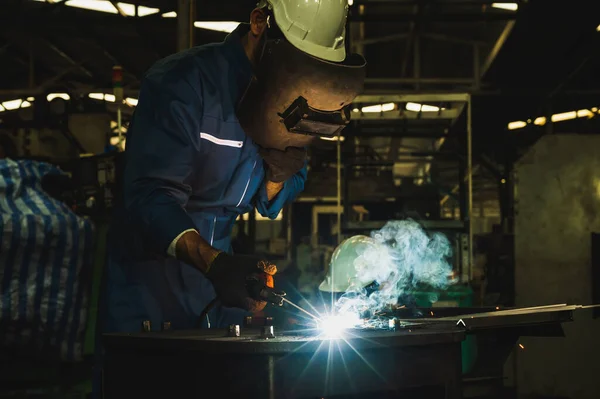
(273, 189)
(193, 249)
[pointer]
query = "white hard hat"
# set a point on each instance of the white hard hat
(349, 263)
(316, 27)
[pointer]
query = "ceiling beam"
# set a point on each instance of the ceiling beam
(429, 17)
(52, 46)
(497, 47)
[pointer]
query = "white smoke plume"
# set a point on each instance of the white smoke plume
(405, 256)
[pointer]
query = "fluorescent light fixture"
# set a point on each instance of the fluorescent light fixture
(52, 96)
(2, 108)
(96, 96)
(506, 6)
(350, 2)
(540, 121)
(598, 28)
(170, 14)
(30, 98)
(132, 102)
(583, 113)
(129, 10)
(416, 107)
(94, 5)
(25, 104)
(219, 26)
(564, 116)
(101, 96)
(12, 104)
(334, 138)
(516, 125)
(379, 108)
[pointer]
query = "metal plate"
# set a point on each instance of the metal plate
(217, 341)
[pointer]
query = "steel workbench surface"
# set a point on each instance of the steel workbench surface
(209, 363)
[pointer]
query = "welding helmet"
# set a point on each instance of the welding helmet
(349, 263)
(304, 82)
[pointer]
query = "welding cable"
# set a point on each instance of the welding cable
(204, 314)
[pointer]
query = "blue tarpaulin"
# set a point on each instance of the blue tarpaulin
(45, 264)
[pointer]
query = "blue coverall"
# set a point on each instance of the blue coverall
(188, 165)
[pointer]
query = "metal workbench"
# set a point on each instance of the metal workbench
(368, 364)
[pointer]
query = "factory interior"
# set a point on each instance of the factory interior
(461, 197)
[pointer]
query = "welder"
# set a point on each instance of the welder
(220, 130)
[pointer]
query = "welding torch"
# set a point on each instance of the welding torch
(259, 290)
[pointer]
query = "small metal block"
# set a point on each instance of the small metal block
(166, 325)
(267, 332)
(146, 326)
(234, 330)
(392, 323)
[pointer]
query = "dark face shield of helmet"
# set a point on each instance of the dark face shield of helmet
(295, 97)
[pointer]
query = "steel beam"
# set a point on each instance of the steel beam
(413, 97)
(440, 3)
(185, 24)
(449, 114)
(66, 57)
(435, 81)
(497, 46)
(455, 18)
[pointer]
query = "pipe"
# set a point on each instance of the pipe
(470, 184)
(339, 190)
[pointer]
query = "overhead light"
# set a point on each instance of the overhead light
(598, 28)
(506, 6)
(129, 10)
(94, 5)
(219, 26)
(96, 96)
(583, 113)
(132, 102)
(2, 108)
(516, 125)
(334, 138)
(170, 14)
(379, 108)
(101, 96)
(52, 96)
(565, 116)
(350, 2)
(12, 104)
(416, 107)
(25, 104)
(30, 98)
(540, 121)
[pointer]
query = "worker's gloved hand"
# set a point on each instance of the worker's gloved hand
(231, 274)
(283, 164)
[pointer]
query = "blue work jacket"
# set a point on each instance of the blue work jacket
(188, 165)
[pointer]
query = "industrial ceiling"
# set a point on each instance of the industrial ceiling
(516, 61)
